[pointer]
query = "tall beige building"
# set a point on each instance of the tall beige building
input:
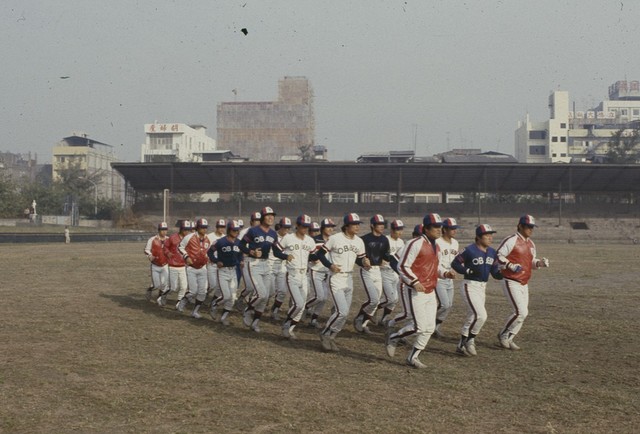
(269, 130)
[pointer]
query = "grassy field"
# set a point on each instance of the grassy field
(83, 351)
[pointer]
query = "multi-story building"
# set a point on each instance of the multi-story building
(168, 142)
(19, 167)
(266, 131)
(93, 159)
(571, 135)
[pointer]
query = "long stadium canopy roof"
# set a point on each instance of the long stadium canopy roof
(380, 177)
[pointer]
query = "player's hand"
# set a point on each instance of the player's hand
(189, 261)
(257, 253)
(151, 258)
(470, 272)
(418, 287)
(219, 264)
(366, 264)
(450, 275)
(335, 268)
(516, 268)
(289, 258)
(543, 263)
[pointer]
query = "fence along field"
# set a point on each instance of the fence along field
(83, 350)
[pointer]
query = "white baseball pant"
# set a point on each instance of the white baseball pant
(318, 291)
(178, 281)
(159, 277)
(474, 295)
(390, 283)
(372, 283)
(445, 289)
(278, 280)
(422, 308)
(197, 279)
(212, 277)
(341, 291)
(298, 287)
(228, 282)
(257, 278)
(518, 296)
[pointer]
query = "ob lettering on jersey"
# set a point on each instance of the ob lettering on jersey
(228, 249)
(480, 261)
(261, 239)
(346, 248)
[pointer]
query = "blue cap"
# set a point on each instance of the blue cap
(450, 223)
(304, 220)
(267, 210)
(285, 222)
(432, 219)
(314, 226)
(418, 229)
(163, 226)
(352, 219)
(397, 225)
(327, 223)
(527, 220)
(484, 229)
(377, 219)
(202, 223)
(233, 225)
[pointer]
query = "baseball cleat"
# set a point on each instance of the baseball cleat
(292, 335)
(181, 305)
(224, 321)
(195, 315)
(286, 331)
(357, 324)
(390, 344)
(504, 341)
(470, 346)
(325, 341)
(460, 349)
(366, 330)
(247, 318)
(416, 363)
(255, 328)
(274, 315)
(213, 312)
(513, 346)
(437, 334)
(332, 343)
(159, 301)
(149, 294)
(315, 324)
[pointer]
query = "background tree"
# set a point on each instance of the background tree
(623, 146)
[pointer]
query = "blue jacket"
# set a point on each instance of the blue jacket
(226, 252)
(476, 264)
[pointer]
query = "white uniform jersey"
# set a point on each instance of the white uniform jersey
(448, 251)
(343, 251)
(394, 247)
(318, 265)
(213, 237)
(290, 244)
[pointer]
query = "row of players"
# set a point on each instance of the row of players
(313, 268)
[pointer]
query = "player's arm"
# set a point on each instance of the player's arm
(405, 259)
(147, 249)
(244, 244)
(541, 262)
(182, 248)
(503, 251)
(495, 269)
(278, 251)
(212, 253)
(459, 264)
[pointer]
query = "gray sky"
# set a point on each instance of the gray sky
(462, 70)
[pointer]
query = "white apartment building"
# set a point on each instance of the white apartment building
(572, 135)
(94, 159)
(166, 142)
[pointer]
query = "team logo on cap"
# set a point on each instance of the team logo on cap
(267, 210)
(450, 223)
(163, 226)
(285, 222)
(221, 223)
(304, 220)
(397, 224)
(233, 225)
(527, 220)
(484, 229)
(314, 226)
(256, 216)
(377, 219)
(328, 223)
(352, 219)
(432, 219)
(241, 223)
(202, 223)
(186, 224)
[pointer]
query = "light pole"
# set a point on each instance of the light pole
(95, 191)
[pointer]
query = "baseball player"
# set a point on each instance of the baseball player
(419, 268)
(226, 256)
(476, 262)
(177, 271)
(377, 248)
(344, 250)
(318, 275)
(254, 220)
(212, 269)
(256, 244)
(159, 269)
(194, 248)
(517, 257)
(296, 246)
(314, 229)
(449, 248)
(278, 278)
(390, 279)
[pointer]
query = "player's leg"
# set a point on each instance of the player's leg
(259, 272)
(518, 296)
(425, 308)
(373, 288)
(444, 294)
(390, 295)
(201, 291)
(192, 288)
(335, 322)
(296, 286)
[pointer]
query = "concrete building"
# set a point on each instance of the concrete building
(267, 131)
(19, 167)
(572, 135)
(169, 142)
(93, 159)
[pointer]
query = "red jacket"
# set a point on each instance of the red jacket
(155, 248)
(418, 262)
(171, 251)
(195, 248)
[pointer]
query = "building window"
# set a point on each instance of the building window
(563, 155)
(563, 139)
(636, 112)
(538, 150)
(537, 135)
(624, 112)
(553, 155)
(563, 125)
(554, 139)
(160, 141)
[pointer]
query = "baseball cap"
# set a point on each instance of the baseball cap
(163, 226)
(484, 229)
(233, 225)
(314, 226)
(185, 224)
(417, 229)
(352, 219)
(256, 216)
(450, 223)
(377, 219)
(267, 210)
(285, 222)
(327, 223)
(432, 219)
(221, 223)
(241, 223)
(304, 220)
(202, 223)
(397, 225)
(527, 220)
